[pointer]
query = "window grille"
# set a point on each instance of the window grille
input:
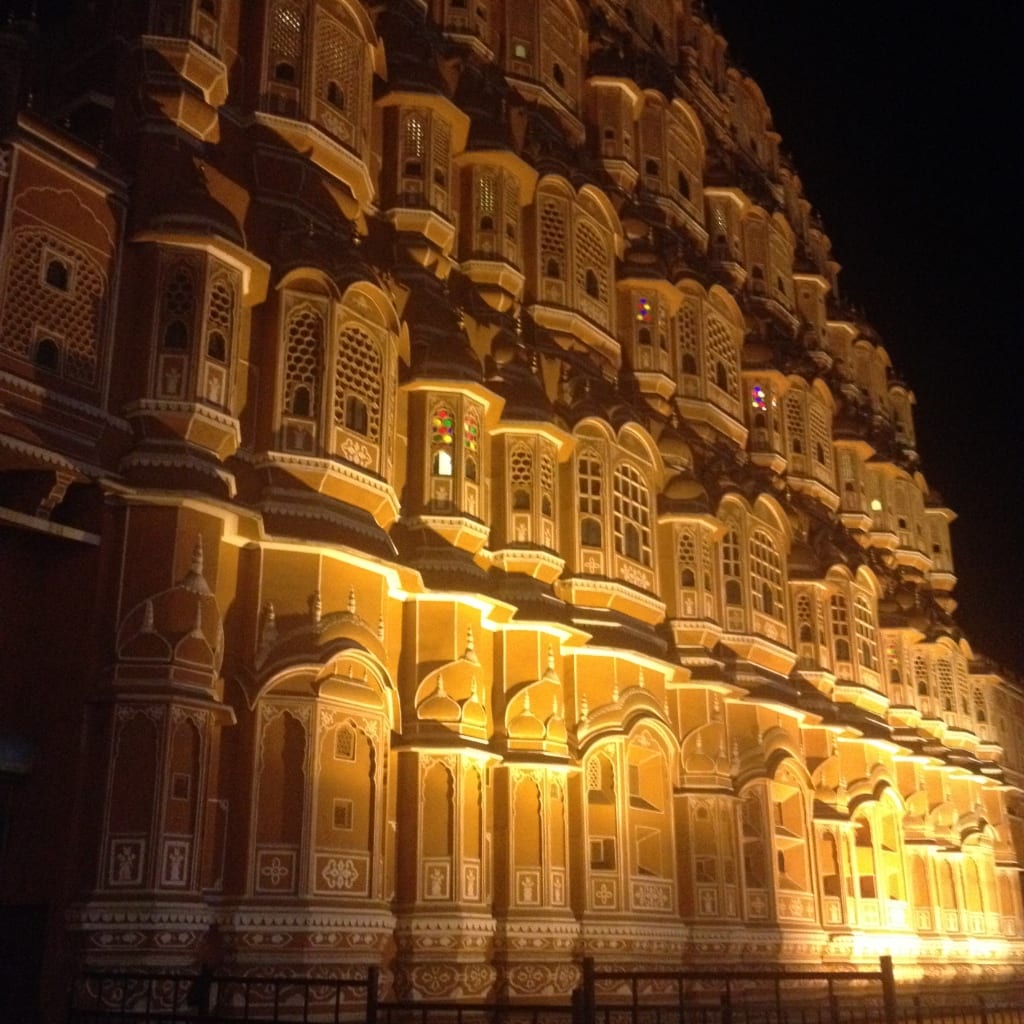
(631, 515)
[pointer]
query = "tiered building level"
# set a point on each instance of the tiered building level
(451, 521)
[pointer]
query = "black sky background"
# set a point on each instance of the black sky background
(905, 127)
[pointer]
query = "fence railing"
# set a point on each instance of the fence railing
(697, 996)
(726, 996)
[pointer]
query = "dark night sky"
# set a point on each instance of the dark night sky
(904, 129)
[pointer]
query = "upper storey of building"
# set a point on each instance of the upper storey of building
(533, 279)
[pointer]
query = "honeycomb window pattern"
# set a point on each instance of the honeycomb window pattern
(804, 619)
(440, 137)
(520, 477)
(795, 423)
(220, 316)
(688, 325)
(303, 361)
(511, 212)
(547, 484)
(31, 308)
(687, 559)
(552, 235)
(722, 354)
(286, 28)
(179, 297)
(359, 373)
(559, 53)
(591, 256)
(337, 65)
(944, 672)
(521, 466)
(821, 438)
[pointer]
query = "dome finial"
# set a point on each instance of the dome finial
(194, 580)
(469, 654)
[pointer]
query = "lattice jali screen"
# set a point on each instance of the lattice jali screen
(33, 310)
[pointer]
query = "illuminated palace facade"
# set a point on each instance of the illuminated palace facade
(451, 521)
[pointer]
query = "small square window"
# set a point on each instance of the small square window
(345, 744)
(602, 853)
(181, 786)
(342, 813)
(56, 271)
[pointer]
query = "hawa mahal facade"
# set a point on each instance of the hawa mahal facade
(452, 521)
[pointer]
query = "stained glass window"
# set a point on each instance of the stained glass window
(443, 424)
(471, 431)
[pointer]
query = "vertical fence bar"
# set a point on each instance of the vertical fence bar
(372, 993)
(888, 989)
(589, 994)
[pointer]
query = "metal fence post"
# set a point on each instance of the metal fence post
(726, 1000)
(888, 989)
(372, 986)
(589, 994)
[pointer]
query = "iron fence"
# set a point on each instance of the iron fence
(605, 997)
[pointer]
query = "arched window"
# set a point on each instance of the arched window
(301, 403)
(632, 515)
(840, 627)
(359, 384)
(442, 440)
(46, 355)
(590, 476)
(216, 346)
(178, 311)
(766, 572)
(723, 360)
(471, 443)
(356, 415)
(921, 675)
(731, 568)
(864, 849)
(864, 628)
(687, 556)
(592, 266)
(220, 316)
(57, 274)
(303, 372)
(602, 826)
(547, 485)
(286, 27)
(413, 141)
(521, 477)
